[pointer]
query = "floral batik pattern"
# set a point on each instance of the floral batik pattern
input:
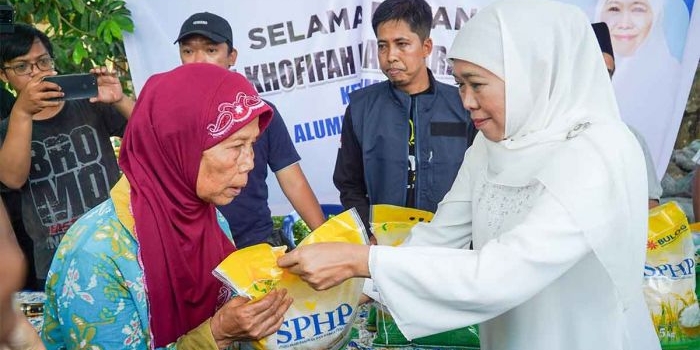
(95, 287)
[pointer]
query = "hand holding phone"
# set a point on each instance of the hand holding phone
(75, 86)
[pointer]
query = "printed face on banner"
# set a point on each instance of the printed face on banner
(402, 56)
(629, 22)
(200, 49)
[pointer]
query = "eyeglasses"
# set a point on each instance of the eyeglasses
(24, 68)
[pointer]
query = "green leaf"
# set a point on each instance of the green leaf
(79, 52)
(116, 30)
(107, 32)
(84, 21)
(124, 23)
(78, 6)
(100, 29)
(114, 5)
(54, 20)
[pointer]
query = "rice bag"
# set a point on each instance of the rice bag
(251, 272)
(388, 333)
(391, 225)
(319, 319)
(669, 278)
(695, 228)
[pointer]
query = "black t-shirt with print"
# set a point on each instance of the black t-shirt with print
(72, 169)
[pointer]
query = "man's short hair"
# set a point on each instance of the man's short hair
(209, 25)
(13, 45)
(417, 13)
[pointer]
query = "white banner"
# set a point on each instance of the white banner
(307, 56)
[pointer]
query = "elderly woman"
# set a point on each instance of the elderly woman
(135, 272)
(550, 194)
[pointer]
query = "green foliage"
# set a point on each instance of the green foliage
(300, 230)
(85, 33)
(277, 221)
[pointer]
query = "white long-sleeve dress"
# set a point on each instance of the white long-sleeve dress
(532, 281)
(557, 209)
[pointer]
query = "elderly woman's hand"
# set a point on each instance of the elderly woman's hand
(241, 320)
(326, 265)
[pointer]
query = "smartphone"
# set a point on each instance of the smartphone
(75, 86)
(7, 15)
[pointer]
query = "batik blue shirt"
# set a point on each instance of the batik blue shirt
(95, 286)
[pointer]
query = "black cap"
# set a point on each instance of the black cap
(602, 33)
(209, 25)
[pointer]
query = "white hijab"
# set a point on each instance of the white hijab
(560, 108)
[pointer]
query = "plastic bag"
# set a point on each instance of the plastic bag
(319, 319)
(695, 228)
(669, 278)
(390, 226)
(388, 333)
(251, 272)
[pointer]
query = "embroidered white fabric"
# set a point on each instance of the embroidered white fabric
(501, 206)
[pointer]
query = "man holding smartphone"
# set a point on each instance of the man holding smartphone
(57, 153)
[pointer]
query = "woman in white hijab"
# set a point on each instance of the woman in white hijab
(552, 195)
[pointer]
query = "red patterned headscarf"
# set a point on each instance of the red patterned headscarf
(179, 115)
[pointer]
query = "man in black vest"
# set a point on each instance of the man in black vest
(403, 140)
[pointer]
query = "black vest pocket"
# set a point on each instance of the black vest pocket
(450, 129)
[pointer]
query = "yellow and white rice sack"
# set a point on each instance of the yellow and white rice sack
(669, 276)
(251, 272)
(391, 224)
(319, 319)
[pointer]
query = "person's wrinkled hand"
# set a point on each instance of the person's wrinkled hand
(37, 95)
(109, 88)
(326, 265)
(242, 320)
